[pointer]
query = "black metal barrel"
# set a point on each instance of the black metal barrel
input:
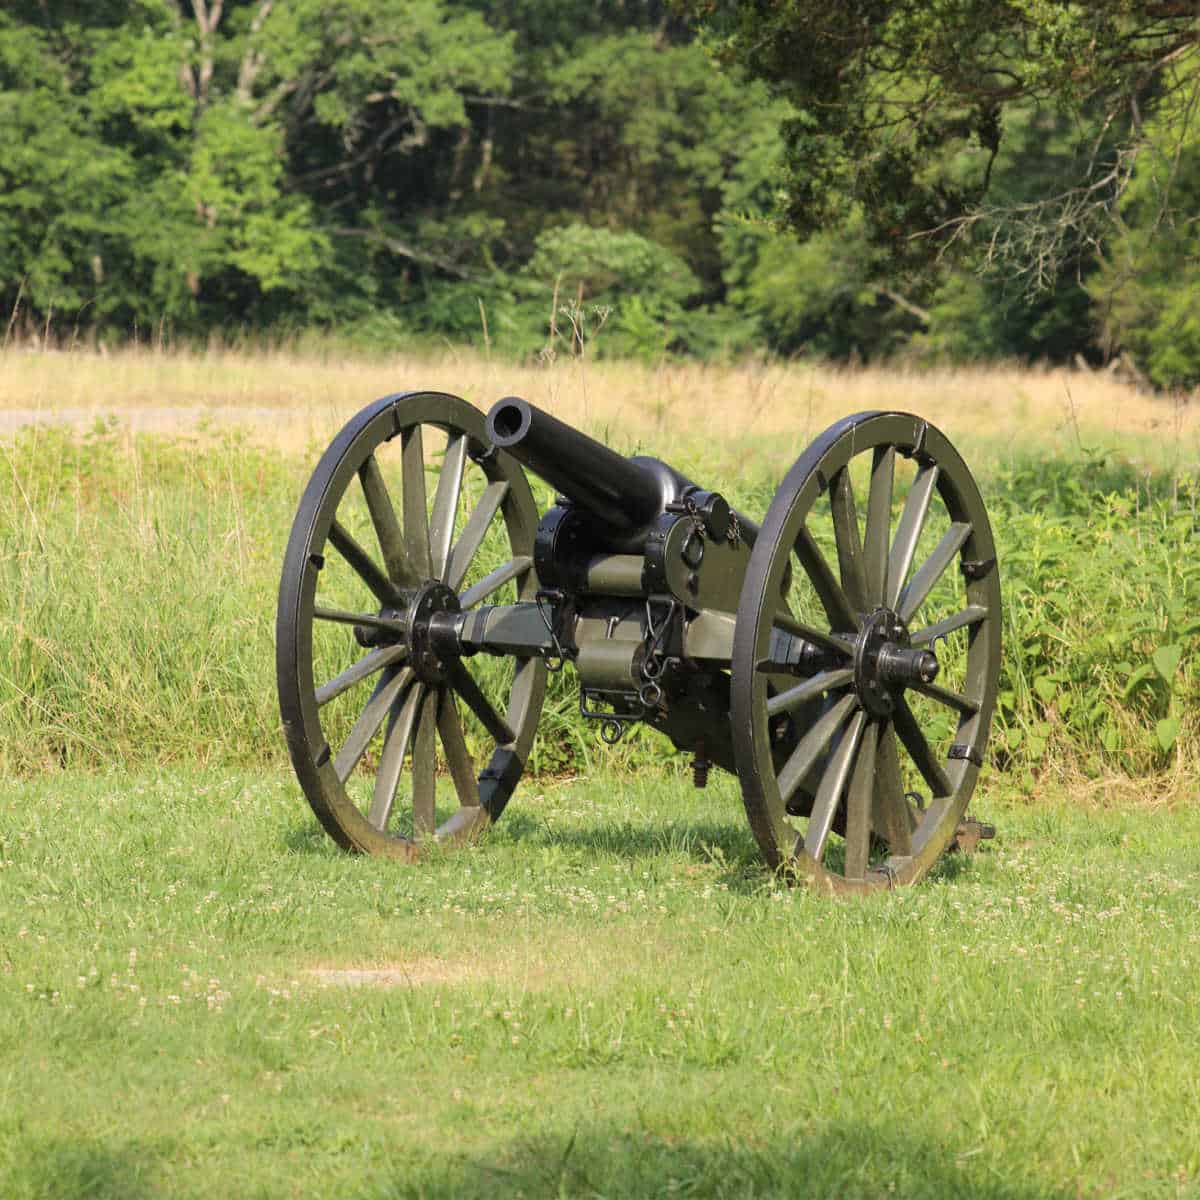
(616, 490)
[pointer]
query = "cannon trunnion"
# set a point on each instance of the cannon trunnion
(841, 659)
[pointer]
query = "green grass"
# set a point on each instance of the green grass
(609, 997)
(140, 577)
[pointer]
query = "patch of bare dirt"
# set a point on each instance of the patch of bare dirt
(420, 972)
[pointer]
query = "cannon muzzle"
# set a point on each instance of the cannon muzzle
(618, 491)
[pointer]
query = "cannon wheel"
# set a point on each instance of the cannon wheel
(882, 769)
(363, 706)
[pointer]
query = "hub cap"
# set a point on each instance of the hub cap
(885, 664)
(431, 599)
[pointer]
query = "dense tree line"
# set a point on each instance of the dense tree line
(948, 181)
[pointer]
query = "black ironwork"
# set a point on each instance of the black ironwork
(817, 656)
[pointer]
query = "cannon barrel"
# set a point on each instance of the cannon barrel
(621, 493)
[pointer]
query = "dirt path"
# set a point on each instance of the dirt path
(165, 418)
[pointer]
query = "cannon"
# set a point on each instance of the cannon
(840, 658)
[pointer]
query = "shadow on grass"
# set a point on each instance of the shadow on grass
(851, 1161)
(72, 1170)
(728, 846)
(310, 838)
(951, 867)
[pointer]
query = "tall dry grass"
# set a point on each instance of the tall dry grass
(296, 401)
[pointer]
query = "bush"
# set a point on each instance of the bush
(142, 576)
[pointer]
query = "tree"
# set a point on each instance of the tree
(195, 160)
(902, 106)
(1145, 290)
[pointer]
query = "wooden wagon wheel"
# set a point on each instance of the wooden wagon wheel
(866, 656)
(365, 700)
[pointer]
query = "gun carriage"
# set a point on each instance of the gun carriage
(840, 658)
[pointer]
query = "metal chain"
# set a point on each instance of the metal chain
(555, 662)
(653, 660)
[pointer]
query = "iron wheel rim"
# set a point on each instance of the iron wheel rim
(422, 715)
(859, 764)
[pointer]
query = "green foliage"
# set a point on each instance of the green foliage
(903, 120)
(158, 174)
(415, 169)
(823, 296)
(1101, 591)
(1146, 291)
(637, 287)
(161, 647)
(62, 189)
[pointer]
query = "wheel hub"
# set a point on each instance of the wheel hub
(885, 663)
(431, 600)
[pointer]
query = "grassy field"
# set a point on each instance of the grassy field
(610, 997)
(141, 557)
(200, 997)
(728, 414)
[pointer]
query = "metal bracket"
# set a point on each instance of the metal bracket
(612, 724)
(969, 834)
(962, 750)
(919, 453)
(973, 569)
(479, 453)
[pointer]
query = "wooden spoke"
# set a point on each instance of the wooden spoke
(364, 566)
(489, 584)
(464, 684)
(473, 533)
(950, 699)
(832, 785)
(858, 804)
(891, 808)
(838, 609)
(931, 570)
(387, 528)
(391, 761)
(382, 656)
(341, 617)
(973, 614)
(878, 530)
(416, 519)
(849, 542)
(424, 769)
(458, 757)
(370, 719)
(908, 531)
(445, 503)
(841, 646)
(810, 689)
(919, 749)
(813, 745)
